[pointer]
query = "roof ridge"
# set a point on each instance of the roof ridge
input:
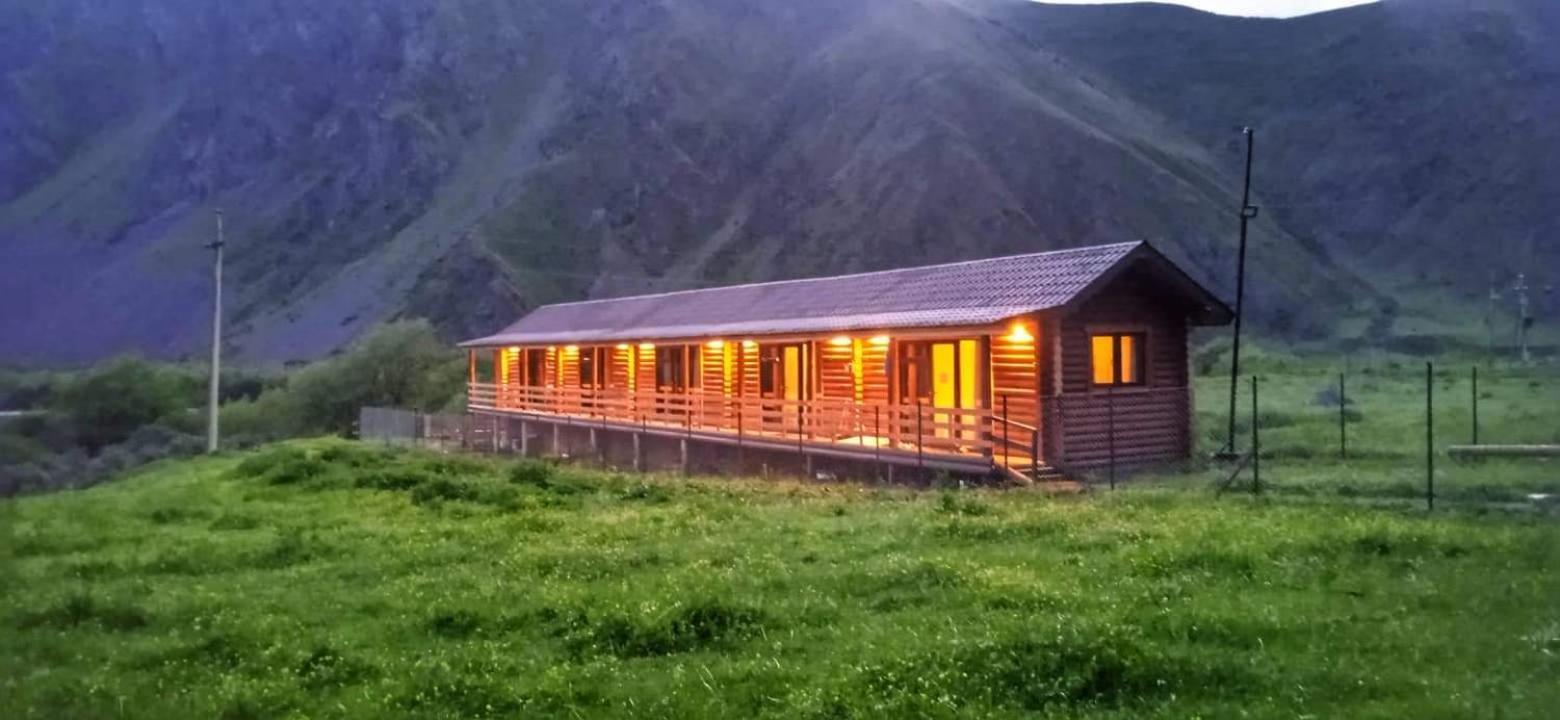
(1059, 251)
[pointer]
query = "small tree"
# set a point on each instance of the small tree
(402, 364)
(108, 404)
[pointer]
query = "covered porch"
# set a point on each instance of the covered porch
(959, 399)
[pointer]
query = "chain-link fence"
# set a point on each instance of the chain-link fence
(1398, 430)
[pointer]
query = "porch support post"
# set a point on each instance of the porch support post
(525, 438)
(983, 395)
(1048, 369)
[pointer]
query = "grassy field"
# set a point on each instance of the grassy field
(329, 579)
(1385, 425)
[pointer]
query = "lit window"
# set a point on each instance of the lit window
(1117, 359)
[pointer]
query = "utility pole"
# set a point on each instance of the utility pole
(1523, 318)
(1247, 213)
(216, 341)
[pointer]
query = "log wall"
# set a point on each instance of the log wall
(1151, 422)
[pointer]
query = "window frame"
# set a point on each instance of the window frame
(1140, 338)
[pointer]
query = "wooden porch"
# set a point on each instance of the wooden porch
(926, 436)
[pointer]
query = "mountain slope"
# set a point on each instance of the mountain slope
(1414, 137)
(465, 161)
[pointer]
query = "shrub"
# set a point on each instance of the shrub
(534, 473)
(108, 404)
(701, 625)
(403, 364)
(395, 478)
(440, 489)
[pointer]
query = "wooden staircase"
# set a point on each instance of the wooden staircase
(1026, 471)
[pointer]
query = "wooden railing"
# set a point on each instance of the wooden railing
(895, 428)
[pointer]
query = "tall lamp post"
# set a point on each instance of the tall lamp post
(1248, 212)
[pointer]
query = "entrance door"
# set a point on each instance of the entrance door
(944, 374)
(782, 375)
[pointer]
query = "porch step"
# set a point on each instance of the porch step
(1044, 474)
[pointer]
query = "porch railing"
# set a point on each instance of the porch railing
(882, 428)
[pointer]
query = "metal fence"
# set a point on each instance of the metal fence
(1426, 431)
(392, 426)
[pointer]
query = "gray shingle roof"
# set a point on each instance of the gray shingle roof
(963, 293)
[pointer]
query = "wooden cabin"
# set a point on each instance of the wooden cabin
(1024, 365)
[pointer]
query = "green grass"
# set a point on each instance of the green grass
(1385, 425)
(329, 579)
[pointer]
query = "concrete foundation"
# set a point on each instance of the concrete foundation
(662, 450)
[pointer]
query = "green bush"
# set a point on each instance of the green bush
(441, 489)
(110, 403)
(532, 473)
(402, 364)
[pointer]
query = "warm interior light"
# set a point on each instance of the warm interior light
(879, 340)
(622, 346)
(715, 344)
(749, 344)
(1020, 333)
(646, 346)
(840, 341)
(571, 348)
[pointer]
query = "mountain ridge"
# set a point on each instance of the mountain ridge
(467, 161)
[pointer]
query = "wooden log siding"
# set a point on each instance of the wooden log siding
(620, 367)
(874, 373)
(1152, 422)
(1013, 367)
(644, 368)
(836, 381)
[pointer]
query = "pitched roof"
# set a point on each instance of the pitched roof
(974, 292)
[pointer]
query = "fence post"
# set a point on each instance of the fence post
(920, 449)
(1343, 418)
(1006, 465)
(877, 439)
(1256, 442)
(525, 438)
(1475, 404)
(1034, 454)
(1430, 436)
(799, 431)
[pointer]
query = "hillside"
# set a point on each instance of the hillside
(1413, 137)
(467, 160)
(338, 580)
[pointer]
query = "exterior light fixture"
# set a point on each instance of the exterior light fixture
(571, 348)
(1020, 333)
(749, 344)
(840, 341)
(715, 344)
(879, 340)
(623, 346)
(646, 346)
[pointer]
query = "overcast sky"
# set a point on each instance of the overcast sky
(1267, 8)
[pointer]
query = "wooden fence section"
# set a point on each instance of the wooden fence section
(971, 434)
